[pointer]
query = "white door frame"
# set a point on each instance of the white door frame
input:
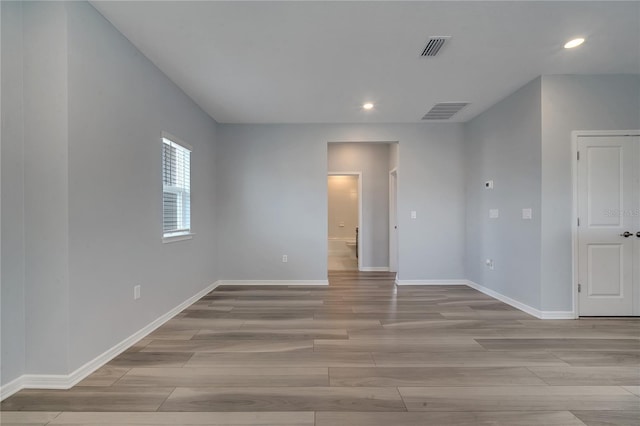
(359, 175)
(393, 221)
(574, 222)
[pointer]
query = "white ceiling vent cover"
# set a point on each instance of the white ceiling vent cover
(444, 110)
(434, 45)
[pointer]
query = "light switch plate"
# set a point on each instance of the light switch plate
(494, 213)
(527, 214)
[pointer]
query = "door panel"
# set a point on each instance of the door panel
(608, 201)
(604, 185)
(606, 275)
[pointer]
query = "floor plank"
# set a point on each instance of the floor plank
(591, 376)
(88, 399)
(298, 418)
(497, 398)
(284, 399)
(609, 418)
(243, 377)
(467, 359)
(496, 418)
(446, 376)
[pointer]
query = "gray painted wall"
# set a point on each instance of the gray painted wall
(526, 140)
(372, 159)
(46, 187)
(119, 103)
(12, 332)
(575, 102)
(94, 109)
(272, 188)
(503, 144)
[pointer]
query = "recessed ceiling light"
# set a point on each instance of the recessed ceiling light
(367, 106)
(574, 43)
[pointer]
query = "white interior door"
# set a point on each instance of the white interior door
(608, 212)
(393, 221)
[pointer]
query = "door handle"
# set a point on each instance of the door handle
(638, 234)
(627, 234)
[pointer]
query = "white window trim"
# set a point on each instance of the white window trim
(176, 236)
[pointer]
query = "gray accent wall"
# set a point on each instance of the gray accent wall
(372, 159)
(524, 143)
(573, 102)
(273, 201)
(119, 103)
(503, 144)
(46, 186)
(89, 189)
(12, 312)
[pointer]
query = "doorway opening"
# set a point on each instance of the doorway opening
(369, 244)
(344, 215)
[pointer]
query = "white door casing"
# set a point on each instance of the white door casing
(393, 221)
(608, 205)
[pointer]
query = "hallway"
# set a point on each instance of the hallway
(361, 351)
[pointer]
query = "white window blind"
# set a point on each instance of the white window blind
(176, 189)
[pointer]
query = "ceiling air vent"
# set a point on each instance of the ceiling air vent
(434, 45)
(444, 110)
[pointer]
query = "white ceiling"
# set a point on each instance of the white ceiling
(317, 62)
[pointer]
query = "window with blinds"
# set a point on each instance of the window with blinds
(176, 189)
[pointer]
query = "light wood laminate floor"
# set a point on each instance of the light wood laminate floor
(358, 352)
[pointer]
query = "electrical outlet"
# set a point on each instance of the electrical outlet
(136, 292)
(527, 213)
(285, 259)
(489, 263)
(414, 214)
(494, 213)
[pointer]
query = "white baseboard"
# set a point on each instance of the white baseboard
(67, 381)
(558, 315)
(374, 269)
(273, 282)
(12, 387)
(431, 282)
(522, 306)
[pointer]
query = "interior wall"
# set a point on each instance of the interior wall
(12, 316)
(272, 185)
(343, 207)
(503, 144)
(119, 103)
(573, 102)
(81, 165)
(372, 159)
(46, 186)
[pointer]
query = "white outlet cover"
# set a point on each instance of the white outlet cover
(527, 214)
(136, 292)
(285, 258)
(494, 213)
(414, 214)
